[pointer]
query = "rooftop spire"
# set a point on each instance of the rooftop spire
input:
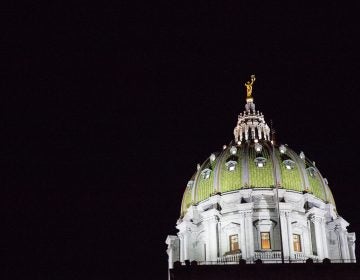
(251, 124)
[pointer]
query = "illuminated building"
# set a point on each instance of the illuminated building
(258, 200)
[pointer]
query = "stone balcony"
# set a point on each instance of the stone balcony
(229, 259)
(265, 256)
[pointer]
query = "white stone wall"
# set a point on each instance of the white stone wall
(205, 229)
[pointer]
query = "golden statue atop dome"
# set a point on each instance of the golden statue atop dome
(248, 85)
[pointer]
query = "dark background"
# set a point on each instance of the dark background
(106, 110)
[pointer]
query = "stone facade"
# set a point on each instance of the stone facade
(205, 230)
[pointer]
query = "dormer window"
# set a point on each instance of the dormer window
(311, 171)
(289, 164)
(260, 162)
(205, 174)
(231, 165)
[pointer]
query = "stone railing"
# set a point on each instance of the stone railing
(233, 258)
(299, 256)
(268, 255)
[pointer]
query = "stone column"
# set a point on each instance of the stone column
(186, 245)
(181, 238)
(284, 235)
(318, 236)
(351, 242)
(173, 249)
(243, 242)
(307, 248)
(290, 236)
(344, 245)
(212, 253)
(325, 245)
(220, 239)
(249, 235)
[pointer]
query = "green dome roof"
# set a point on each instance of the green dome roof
(253, 166)
(253, 161)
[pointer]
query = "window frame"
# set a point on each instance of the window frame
(231, 242)
(262, 240)
(298, 242)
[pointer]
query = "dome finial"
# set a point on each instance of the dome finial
(248, 86)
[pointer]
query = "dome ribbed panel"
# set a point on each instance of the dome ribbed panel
(186, 201)
(247, 174)
(316, 186)
(231, 180)
(205, 186)
(290, 178)
(260, 177)
(329, 195)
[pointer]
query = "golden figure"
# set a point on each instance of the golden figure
(248, 85)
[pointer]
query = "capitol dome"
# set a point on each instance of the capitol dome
(255, 165)
(258, 200)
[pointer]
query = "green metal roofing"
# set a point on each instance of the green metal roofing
(290, 178)
(230, 180)
(303, 176)
(260, 177)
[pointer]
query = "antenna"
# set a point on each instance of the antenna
(273, 132)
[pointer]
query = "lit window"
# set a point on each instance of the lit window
(234, 242)
(297, 242)
(206, 173)
(231, 165)
(289, 164)
(265, 240)
(260, 161)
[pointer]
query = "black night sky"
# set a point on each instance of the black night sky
(106, 110)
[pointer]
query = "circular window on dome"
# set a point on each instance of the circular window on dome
(260, 161)
(289, 164)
